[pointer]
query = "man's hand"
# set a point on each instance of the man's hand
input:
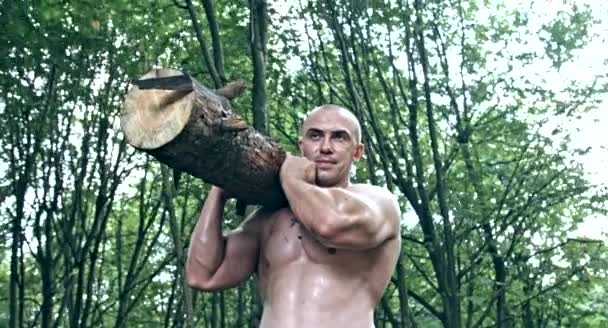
(300, 168)
(221, 193)
(224, 196)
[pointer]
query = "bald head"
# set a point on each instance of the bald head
(349, 118)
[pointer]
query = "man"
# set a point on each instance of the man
(324, 261)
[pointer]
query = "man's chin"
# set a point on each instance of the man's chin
(326, 180)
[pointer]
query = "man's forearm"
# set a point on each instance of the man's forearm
(323, 211)
(303, 200)
(207, 244)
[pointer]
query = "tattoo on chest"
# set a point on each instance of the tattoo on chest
(294, 221)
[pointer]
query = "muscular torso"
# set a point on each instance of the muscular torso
(305, 284)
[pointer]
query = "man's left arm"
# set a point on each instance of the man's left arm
(342, 218)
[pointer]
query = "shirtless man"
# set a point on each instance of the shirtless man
(324, 261)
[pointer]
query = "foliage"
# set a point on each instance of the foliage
(453, 101)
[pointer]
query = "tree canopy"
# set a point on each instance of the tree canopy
(457, 101)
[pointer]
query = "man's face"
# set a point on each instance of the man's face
(329, 138)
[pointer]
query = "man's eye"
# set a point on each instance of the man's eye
(315, 136)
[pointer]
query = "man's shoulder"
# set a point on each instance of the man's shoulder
(373, 191)
(383, 197)
(262, 215)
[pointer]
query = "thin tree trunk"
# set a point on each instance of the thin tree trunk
(407, 319)
(214, 307)
(47, 265)
(15, 279)
(218, 53)
(240, 306)
(258, 52)
(144, 244)
(168, 195)
(425, 216)
(222, 309)
(527, 313)
(208, 61)
(109, 177)
(451, 291)
(28, 130)
(170, 303)
(470, 306)
(255, 306)
(314, 65)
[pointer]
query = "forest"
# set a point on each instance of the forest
(464, 107)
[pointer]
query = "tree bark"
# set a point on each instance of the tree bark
(193, 129)
(453, 315)
(168, 194)
(218, 53)
(258, 56)
(211, 66)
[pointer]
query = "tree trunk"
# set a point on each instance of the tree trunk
(208, 61)
(168, 194)
(218, 53)
(240, 306)
(258, 55)
(193, 129)
(15, 278)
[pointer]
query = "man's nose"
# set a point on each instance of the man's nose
(326, 146)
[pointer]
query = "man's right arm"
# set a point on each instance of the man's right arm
(216, 261)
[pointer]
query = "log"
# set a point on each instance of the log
(176, 119)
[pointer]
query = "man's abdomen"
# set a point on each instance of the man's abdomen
(309, 295)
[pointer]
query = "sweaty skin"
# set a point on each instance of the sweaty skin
(324, 261)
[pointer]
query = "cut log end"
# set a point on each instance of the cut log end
(152, 118)
(192, 129)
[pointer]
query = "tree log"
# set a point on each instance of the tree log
(192, 129)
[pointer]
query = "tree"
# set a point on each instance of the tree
(454, 111)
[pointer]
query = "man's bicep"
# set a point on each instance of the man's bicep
(384, 226)
(240, 254)
(240, 260)
(392, 216)
(380, 225)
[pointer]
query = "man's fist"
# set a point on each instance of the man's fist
(299, 168)
(220, 193)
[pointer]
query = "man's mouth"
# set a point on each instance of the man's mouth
(322, 163)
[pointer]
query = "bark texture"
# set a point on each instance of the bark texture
(193, 129)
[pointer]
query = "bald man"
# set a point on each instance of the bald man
(325, 260)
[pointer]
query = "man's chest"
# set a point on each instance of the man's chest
(286, 240)
(291, 256)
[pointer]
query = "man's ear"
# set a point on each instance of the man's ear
(300, 146)
(359, 151)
